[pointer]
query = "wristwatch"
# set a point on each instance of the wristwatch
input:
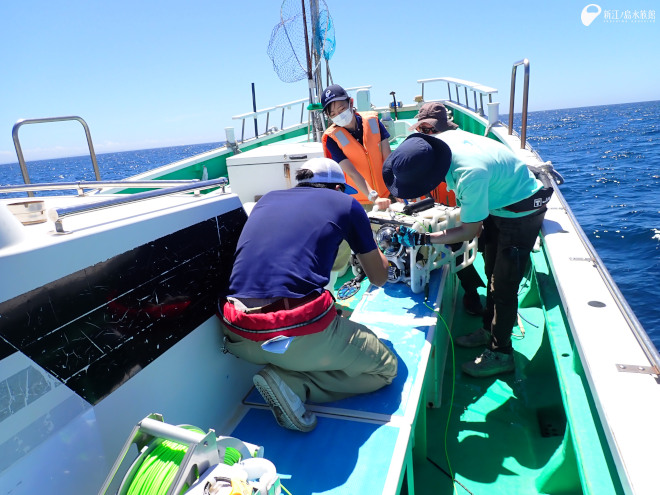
(373, 195)
(425, 239)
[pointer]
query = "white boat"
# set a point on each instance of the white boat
(109, 338)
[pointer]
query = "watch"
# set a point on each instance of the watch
(373, 195)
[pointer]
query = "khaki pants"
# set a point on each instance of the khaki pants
(344, 359)
(343, 256)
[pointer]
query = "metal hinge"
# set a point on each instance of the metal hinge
(633, 368)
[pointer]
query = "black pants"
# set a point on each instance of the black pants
(507, 244)
(468, 276)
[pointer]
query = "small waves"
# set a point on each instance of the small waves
(112, 166)
(610, 158)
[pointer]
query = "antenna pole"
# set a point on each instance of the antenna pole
(254, 109)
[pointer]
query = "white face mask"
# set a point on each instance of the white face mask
(344, 118)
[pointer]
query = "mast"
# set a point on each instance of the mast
(318, 56)
(311, 80)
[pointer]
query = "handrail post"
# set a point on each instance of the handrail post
(19, 150)
(523, 131)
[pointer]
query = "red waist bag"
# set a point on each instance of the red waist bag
(311, 317)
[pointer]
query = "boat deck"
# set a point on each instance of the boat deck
(510, 433)
(502, 430)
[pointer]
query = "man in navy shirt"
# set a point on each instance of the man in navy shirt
(278, 312)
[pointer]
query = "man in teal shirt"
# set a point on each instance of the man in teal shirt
(496, 193)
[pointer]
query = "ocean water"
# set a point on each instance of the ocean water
(609, 156)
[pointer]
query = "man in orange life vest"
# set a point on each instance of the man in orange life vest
(432, 119)
(359, 143)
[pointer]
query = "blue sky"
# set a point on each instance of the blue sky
(147, 74)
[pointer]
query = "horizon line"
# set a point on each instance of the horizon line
(221, 143)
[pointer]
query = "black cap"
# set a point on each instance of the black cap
(417, 166)
(332, 93)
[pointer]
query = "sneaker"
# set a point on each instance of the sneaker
(288, 409)
(489, 363)
(478, 338)
(472, 304)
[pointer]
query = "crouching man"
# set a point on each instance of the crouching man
(282, 264)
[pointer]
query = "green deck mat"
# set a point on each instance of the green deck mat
(503, 430)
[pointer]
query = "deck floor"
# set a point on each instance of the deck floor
(502, 430)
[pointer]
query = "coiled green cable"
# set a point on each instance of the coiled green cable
(158, 469)
(232, 456)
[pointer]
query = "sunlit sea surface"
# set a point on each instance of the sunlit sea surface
(609, 156)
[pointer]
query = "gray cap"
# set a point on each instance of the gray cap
(434, 113)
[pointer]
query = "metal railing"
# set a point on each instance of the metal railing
(284, 106)
(523, 130)
(19, 150)
(267, 111)
(80, 186)
(164, 188)
(476, 88)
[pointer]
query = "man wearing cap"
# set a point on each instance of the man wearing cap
(358, 141)
(494, 189)
(432, 119)
(278, 314)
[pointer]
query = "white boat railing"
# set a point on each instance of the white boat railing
(284, 106)
(267, 112)
(19, 150)
(466, 85)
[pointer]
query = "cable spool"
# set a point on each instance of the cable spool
(176, 460)
(159, 466)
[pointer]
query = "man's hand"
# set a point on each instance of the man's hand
(382, 203)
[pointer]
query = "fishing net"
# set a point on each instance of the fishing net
(287, 48)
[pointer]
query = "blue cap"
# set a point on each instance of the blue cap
(332, 93)
(417, 166)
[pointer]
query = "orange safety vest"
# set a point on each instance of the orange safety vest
(366, 158)
(441, 195)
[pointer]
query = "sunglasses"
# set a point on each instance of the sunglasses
(425, 130)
